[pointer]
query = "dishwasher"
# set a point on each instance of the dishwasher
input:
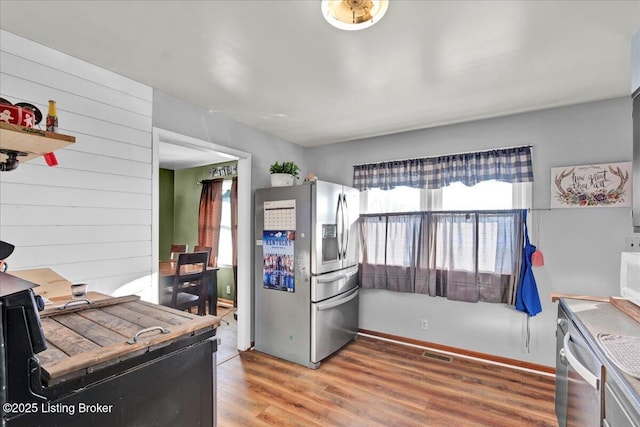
(579, 401)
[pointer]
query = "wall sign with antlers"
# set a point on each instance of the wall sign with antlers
(603, 185)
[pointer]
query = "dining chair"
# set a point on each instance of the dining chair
(177, 249)
(213, 287)
(189, 288)
(207, 249)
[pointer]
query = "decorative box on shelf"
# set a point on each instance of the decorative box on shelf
(29, 142)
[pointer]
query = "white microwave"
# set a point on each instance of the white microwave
(630, 276)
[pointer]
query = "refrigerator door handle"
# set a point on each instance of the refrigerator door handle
(331, 304)
(339, 226)
(345, 226)
(332, 277)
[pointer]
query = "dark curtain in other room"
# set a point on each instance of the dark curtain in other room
(210, 216)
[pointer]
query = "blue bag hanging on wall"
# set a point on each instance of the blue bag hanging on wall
(527, 298)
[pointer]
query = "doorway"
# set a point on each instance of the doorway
(192, 152)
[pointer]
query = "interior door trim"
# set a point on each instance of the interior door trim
(245, 222)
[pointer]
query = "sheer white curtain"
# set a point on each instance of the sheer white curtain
(455, 256)
(373, 252)
(480, 255)
(389, 245)
(403, 234)
(467, 256)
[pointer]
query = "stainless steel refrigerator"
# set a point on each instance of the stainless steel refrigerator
(306, 281)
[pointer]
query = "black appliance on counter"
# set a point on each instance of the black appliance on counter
(167, 384)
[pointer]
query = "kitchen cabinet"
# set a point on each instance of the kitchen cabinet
(635, 93)
(618, 392)
(635, 61)
(33, 142)
(636, 160)
(618, 409)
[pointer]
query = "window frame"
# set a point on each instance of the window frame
(225, 227)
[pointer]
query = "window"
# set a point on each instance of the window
(482, 196)
(400, 199)
(487, 195)
(448, 226)
(224, 245)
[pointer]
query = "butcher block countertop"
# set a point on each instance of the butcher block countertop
(84, 337)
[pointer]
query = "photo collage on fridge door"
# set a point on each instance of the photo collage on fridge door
(278, 240)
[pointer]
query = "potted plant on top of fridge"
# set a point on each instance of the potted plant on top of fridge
(282, 174)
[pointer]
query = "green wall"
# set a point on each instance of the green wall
(179, 217)
(186, 200)
(225, 278)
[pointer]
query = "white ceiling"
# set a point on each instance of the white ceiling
(278, 66)
(177, 155)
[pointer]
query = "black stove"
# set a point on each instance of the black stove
(173, 385)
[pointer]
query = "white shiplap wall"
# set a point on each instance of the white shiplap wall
(89, 218)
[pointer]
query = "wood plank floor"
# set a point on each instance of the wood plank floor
(376, 383)
(228, 334)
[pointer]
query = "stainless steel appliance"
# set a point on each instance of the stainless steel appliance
(158, 380)
(306, 277)
(579, 373)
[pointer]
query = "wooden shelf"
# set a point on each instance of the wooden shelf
(34, 142)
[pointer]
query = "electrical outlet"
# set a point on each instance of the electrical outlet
(424, 324)
(228, 289)
(632, 244)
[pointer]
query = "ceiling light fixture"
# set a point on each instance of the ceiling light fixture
(353, 14)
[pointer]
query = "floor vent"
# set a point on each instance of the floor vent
(436, 356)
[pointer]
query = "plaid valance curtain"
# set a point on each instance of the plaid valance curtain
(511, 165)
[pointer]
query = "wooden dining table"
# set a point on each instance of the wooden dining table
(167, 271)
